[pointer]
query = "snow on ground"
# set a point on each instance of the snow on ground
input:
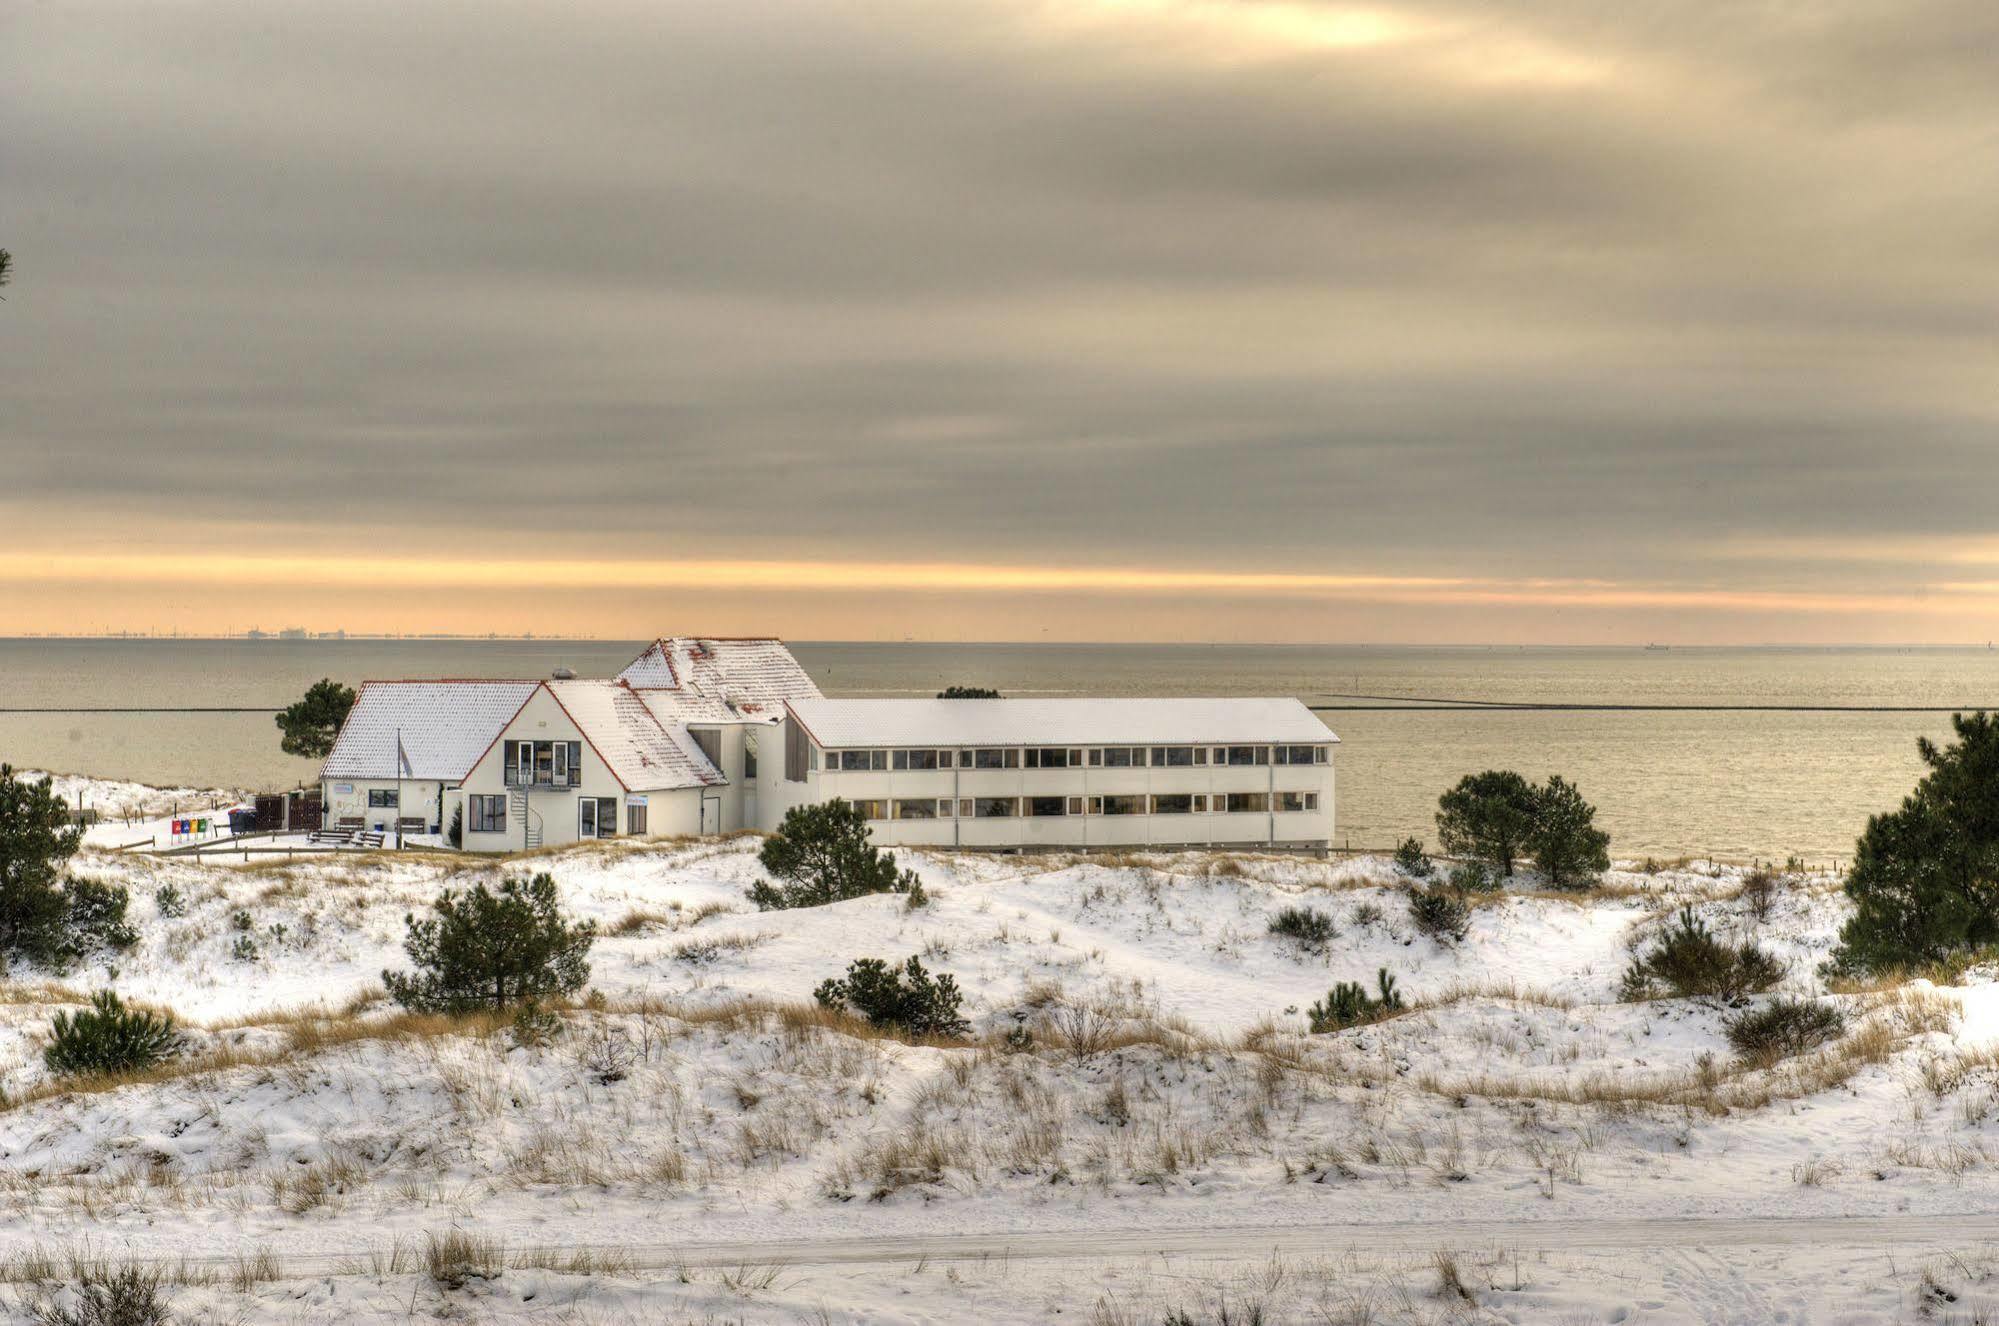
(135, 812)
(1161, 1076)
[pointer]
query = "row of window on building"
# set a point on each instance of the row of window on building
(1001, 808)
(1062, 757)
(596, 817)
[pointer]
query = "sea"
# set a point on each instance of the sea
(1769, 753)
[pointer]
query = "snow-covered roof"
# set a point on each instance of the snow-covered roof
(641, 752)
(686, 679)
(1123, 722)
(446, 726)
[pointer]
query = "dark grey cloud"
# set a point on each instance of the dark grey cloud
(1542, 290)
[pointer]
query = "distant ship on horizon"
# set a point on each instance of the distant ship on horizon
(1649, 647)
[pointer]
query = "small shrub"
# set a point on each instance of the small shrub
(906, 998)
(1440, 914)
(822, 853)
(492, 950)
(533, 1026)
(1312, 929)
(240, 919)
(1412, 861)
(102, 1297)
(916, 898)
(1759, 893)
(1367, 914)
(455, 1259)
(244, 949)
(454, 833)
(1782, 1028)
(608, 1056)
(1691, 963)
(1348, 1005)
(107, 1037)
(1473, 877)
(167, 898)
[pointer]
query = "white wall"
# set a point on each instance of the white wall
(347, 798)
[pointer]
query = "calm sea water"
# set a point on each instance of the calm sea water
(1736, 785)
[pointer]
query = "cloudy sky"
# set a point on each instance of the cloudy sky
(1086, 319)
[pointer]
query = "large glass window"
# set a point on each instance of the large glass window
(1248, 755)
(382, 798)
(988, 808)
(597, 817)
(489, 814)
(1295, 801)
(923, 759)
(872, 810)
(1118, 805)
(1178, 757)
(990, 758)
(849, 761)
(1175, 803)
(635, 819)
(1119, 757)
(922, 808)
(1049, 758)
(1045, 805)
(1246, 802)
(1295, 754)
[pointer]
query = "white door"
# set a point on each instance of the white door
(561, 764)
(586, 817)
(524, 757)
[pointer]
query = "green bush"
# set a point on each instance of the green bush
(454, 832)
(1925, 878)
(1783, 1027)
(1440, 914)
(107, 1037)
(1312, 929)
(822, 853)
(907, 998)
(1473, 877)
(1488, 816)
(96, 917)
(1412, 861)
(1347, 1004)
(1564, 840)
(492, 950)
(1690, 962)
(167, 898)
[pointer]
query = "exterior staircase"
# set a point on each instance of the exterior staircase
(531, 831)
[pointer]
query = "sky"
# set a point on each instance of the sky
(1545, 322)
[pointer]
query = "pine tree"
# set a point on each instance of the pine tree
(823, 854)
(36, 842)
(1925, 878)
(311, 724)
(1489, 816)
(1564, 839)
(492, 950)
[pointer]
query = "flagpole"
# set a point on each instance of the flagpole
(399, 789)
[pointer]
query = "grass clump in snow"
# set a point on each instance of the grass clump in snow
(1690, 962)
(1348, 1005)
(907, 998)
(1782, 1028)
(108, 1038)
(1313, 929)
(128, 1296)
(455, 1259)
(1440, 914)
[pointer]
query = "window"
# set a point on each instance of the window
(1298, 755)
(989, 808)
(992, 759)
(1295, 801)
(851, 760)
(1075, 805)
(1248, 755)
(382, 798)
(1120, 805)
(1046, 805)
(1049, 759)
(635, 819)
(710, 741)
(1119, 757)
(872, 810)
(749, 760)
(923, 759)
(597, 817)
(1178, 803)
(1178, 757)
(489, 814)
(923, 808)
(1247, 802)
(544, 763)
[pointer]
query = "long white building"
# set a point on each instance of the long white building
(702, 736)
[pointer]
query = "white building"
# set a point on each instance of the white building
(709, 736)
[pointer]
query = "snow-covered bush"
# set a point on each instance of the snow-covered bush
(492, 950)
(100, 1296)
(1689, 962)
(1782, 1028)
(907, 998)
(822, 853)
(1411, 860)
(1440, 914)
(1312, 929)
(107, 1037)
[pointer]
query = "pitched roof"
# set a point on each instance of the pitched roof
(1122, 722)
(446, 726)
(640, 752)
(687, 679)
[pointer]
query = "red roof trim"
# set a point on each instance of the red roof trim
(587, 738)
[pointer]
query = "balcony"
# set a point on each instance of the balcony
(542, 782)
